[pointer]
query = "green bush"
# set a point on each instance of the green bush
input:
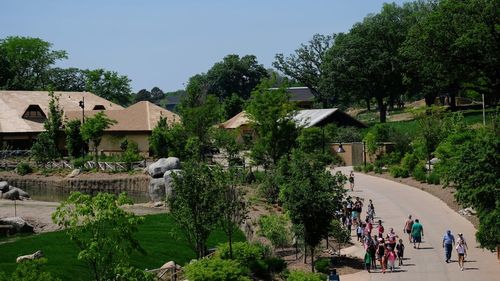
(243, 252)
(358, 168)
(322, 265)
(379, 163)
(392, 158)
(269, 188)
(275, 228)
(378, 170)
(398, 172)
(215, 269)
(79, 163)
(23, 168)
(433, 178)
(409, 162)
(297, 275)
(419, 173)
(275, 264)
(368, 168)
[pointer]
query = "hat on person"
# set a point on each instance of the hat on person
(460, 234)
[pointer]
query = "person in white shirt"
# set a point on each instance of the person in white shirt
(462, 253)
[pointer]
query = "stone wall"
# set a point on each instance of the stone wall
(130, 184)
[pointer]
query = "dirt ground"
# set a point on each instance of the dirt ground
(38, 213)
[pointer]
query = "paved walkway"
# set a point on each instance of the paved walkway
(393, 203)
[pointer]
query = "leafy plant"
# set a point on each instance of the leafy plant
(216, 269)
(23, 168)
(419, 173)
(298, 275)
(275, 228)
(323, 265)
(31, 270)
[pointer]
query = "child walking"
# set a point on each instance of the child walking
(400, 251)
(391, 258)
(368, 261)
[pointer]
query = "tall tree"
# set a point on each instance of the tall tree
(45, 147)
(93, 130)
(109, 85)
(311, 195)
(74, 141)
(455, 47)
(194, 205)
(365, 62)
(271, 116)
(25, 62)
(67, 79)
(305, 66)
(235, 75)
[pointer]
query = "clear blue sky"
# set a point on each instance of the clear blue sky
(163, 43)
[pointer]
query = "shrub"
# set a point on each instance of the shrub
(23, 168)
(409, 162)
(358, 168)
(269, 188)
(392, 158)
(322, 265)
(368, 168)
(275, 228)
(297, 275)
(131, 153)
(378, 170)
(433, 178)
(419, 173)
(275, 264)
(243, 252)
(379, 163)
(215, 269)
(398, 172)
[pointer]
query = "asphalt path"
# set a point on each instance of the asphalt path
(393, 203)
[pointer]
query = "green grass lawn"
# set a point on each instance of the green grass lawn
(157, 235)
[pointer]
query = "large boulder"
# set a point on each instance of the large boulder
(169, 181)
(157, 190)
(74, 173)
(4, 186)
(12, 194)
(158, 168)
(18, 223)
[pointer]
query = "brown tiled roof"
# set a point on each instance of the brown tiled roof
(13, 105)
(141, 116)
(236, 121)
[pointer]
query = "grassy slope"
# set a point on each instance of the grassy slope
(157, 235)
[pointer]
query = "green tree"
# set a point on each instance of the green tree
(311, 197)
(275, 227)
(447, 55)
(93, 130)
(74, 141)
(109, 85)
(101, 229)
(305, 66)
(158, 141)
(194, 206)
(25, 63)
(67, 79)
(131, 153)
(235, 75)
(30, 271)
(271, 115)
(45, 147)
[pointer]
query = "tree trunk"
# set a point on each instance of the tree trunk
(305, 253)
(381, 109)
(368, 106)
(429, 99)
(230, 238)
(312, 259)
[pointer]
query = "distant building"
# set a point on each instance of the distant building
(22, 114)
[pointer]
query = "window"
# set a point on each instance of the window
(99, 107)
(34, 112)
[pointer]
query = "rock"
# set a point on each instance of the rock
(158, 168)
(157, 190)
(434, 160)
(12, 194)
(38, 254)
(169, 265)
(4, 186)
(18, 223)
(169, 181)
(158, 204)
(74, 173)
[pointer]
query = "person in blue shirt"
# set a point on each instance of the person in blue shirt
(448, 243)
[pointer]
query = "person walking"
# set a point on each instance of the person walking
(381, 253)
(392, 238)
(400, 247)
(408, 226)
(462, 253)
(390, 257)
(351, 180)
(448, 243)
(417, 232)
(461, 238)
(380, 229)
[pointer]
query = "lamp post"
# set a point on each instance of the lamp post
(364, 153)
(82, 106)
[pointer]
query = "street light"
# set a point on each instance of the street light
(82, 106)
